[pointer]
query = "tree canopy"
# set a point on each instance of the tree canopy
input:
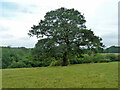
(63, 33)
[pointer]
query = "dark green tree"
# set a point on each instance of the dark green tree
(63, 32)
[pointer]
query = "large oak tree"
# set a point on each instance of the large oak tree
(64, 31)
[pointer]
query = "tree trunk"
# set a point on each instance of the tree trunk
(65, 62)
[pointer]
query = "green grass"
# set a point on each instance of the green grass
(94, 75)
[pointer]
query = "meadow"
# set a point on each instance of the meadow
(91, 75)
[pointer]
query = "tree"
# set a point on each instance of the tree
(64, 31)
(112, 49)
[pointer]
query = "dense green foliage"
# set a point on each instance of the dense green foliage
(23, 57)
(94, 75)
(15, 57)
(97, 58)
(63, 35)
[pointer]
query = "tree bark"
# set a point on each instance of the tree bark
(65, 62)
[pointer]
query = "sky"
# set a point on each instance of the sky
(18, 16)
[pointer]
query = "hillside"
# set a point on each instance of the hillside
(112, 49)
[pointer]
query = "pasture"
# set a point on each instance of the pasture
(93, 75)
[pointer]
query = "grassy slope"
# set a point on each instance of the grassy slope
(96, 75)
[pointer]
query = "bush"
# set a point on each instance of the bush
(4, 66)
(56, 63)
(73, 61)
(88, 58)
(112, 57)
(80, 60)
(95, 58)
(104, 60)
(118, 57)
(28, 65)
(17, 65)
(98, 58)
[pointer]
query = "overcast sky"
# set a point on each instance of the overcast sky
(18, 16)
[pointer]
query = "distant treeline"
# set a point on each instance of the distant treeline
(112, 49)
(22, 57)
(15, 57)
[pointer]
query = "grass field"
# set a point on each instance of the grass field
(94, 75)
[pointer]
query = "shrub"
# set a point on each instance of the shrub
(37, 64)
(4, 66)
(95, 58)
(17, 65)
(88, 58)
(28, 65)
(112, 57)
(98, 58)
(80, 60)
(56, 63)
(87, 61)
(104, 60)
(118, 57)
(73, 61)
